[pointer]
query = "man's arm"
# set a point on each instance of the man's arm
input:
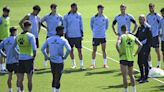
(107, 23)
(139, 46)
(22, 20)
(81, 26)
(118, 44)
(65, 25)
(1, 47)
(134, 22)
(43, 49)
(68, 47)
(113, 26)
(43, 20)
(33, 44)
(39, 23)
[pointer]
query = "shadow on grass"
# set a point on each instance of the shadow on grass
(120, 74)
(42, 71)
(69, 70)
(3, 74)
(115, 86)
(101, 72)
(158, 88)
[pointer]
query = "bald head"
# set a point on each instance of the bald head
(151, 7)
(122, 8)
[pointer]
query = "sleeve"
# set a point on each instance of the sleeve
(33, 43)
(61, 20)
(137, 33)
(44, 46)
(159, 18)
(68, 48)
(81, 23)
(107, 23)
(132, 19)
(43, 19)
(149, 35)
(65, 24)
(115, 21)
(0, 20)
(92, 22)
(2, 45)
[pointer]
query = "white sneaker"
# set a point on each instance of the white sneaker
(74, 66)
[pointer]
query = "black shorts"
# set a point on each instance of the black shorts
(57, 67)
(12, 67)
(37, 42)
(77, 42)
(26, 66)
(125, 62)
(98, 41)
(155, 42)
(162, 46)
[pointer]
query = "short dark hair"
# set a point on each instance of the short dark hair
(53, 6)
(27, 23)
(58, 30)
(13, 29)
(6, 8)
(151, 5)
(162, 10)
(100, 6)
(124, 28)
(73, 4)
(36, 7)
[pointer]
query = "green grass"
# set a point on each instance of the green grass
(99, 79)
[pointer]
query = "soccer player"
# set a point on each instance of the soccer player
(74, 33)
(35, 20)
(125, 47)
(153, 20)
(144, 35)
(12, 57)
(27, 48)
(55, 44)
(52, 21)
(4, 33)
(162, 27)
(123, 19)
(99, 25)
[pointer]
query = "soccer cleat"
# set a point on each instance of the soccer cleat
(92, 66)
(106, 66)
(143, 81)
(74, 66)
(139, 79)
(158, 66)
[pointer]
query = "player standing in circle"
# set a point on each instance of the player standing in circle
(125, 47)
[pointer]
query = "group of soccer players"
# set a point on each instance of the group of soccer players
(20, 50)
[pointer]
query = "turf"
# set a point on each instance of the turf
(99, 79)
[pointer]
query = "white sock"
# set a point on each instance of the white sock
(53, 89)
(57, 90)
(126, 89)
(73, 62)
(150, 63)
(81, 63)
(158, 64)
(105, 61)
(3, 66)
(10, 90)
(134, 88)
(93, 61)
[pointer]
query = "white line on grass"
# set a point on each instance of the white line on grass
(118, 62)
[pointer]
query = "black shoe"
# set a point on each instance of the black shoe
(143, 81)
(139, 79)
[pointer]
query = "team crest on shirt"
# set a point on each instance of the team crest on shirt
(21, 41)
(129, 42)
(8, 43)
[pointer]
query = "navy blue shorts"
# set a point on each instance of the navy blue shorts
(77, 42)
(155, 42)
(98, 41)
(26, 66)
(12, 67)
(125, 62)
(57, 67)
